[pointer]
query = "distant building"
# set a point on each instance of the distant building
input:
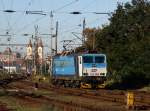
(34, 56)
(10, 60)
(30, 51)
(40, 51)
(9, 56)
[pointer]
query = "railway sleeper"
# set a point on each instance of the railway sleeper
(72, 83)
(141, 107)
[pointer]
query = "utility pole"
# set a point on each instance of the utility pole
(9, 52)
(8, 39)
(51, 32)
(83, 35)
(93, 40)
(35, 53)
(56, 37)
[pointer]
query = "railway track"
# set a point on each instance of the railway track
(142, 99)
(103, 95)
(67, 105)
(11, 78)
(3, 107)
(23, 90)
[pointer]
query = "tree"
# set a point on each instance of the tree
(126, 42)
(90, 38)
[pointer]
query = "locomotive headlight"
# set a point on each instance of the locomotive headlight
(102, 74)
(85, 74)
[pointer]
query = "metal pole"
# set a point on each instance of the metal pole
(51, 32)
(83, 35)
(32, 55)
(35, 50)
(56, 37)
(3, 65)
(9, 56)
(41, 69)
(93, 40)
(45, 67)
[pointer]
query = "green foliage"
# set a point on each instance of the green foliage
(126, 42)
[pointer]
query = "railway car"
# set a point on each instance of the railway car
(85, 70)
(64, 71)
(92, 69)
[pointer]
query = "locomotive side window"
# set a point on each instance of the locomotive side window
(88, 59)
(99, 59)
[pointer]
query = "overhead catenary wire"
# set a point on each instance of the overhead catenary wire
(11, 4)
(78, 13)
(78, 26)
(55, 10)
(8, 24)
(81, 13)
(89, 4)
(30, 24)
(9, 17)
(66, 31)
(72, 13)
(93, 21)
(69, 30)
(22, 12)
(81, 32)
(58, 11)
(40, 12)
(40, 4)
(10, 11)
(67, 21)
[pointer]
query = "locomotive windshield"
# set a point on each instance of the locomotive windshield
(88, 59)
(99, 59)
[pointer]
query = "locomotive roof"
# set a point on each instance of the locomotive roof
(94, 54)
(88, 54)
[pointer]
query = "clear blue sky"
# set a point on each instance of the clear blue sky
(19, 23)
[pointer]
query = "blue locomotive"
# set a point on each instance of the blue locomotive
(85, 70)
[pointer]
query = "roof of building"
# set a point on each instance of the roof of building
(30, 44)
(40, 44)
(7, 51)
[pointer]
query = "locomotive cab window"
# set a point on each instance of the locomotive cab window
(99, 59)
(88, 59)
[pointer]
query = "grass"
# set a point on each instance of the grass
(37, 104)
(14, 103)
(147, 88)
(20, 105)
(41, 78)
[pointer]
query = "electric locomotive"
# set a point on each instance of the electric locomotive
(92, 69)
(84, 70)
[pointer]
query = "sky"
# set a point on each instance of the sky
(19, 22)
